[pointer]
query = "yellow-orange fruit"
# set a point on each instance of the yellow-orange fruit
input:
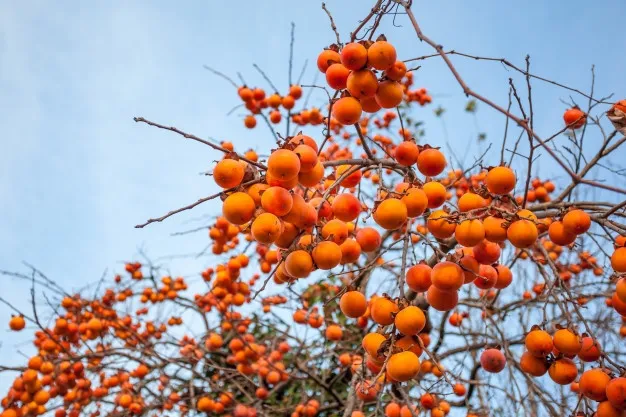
(347, 110)
(533, 365)
(283, 164)
(431, 162)
(389, 94)
(326, 255)
(567, 342)
(592, 384)
(353, 304)
(299, 264)
(410, 320)
(470, 232)
(238, 208)
(415, 201)
(382, 310)
(277, 200)
(228, 173)
(576, 221)
(500, 180)
(447, 276)
(442, 300)
(539, 343)
(371, 343)
(362, 83)
(418, 277)
(439, 226)
(403, 366)
(391, 214)
(522, 233)
(563, 371)
(494, 230)
(381, 55)
(436, 193)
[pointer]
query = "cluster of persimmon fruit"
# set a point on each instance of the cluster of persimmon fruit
(353, 69)
(255, 100)
(305, 208)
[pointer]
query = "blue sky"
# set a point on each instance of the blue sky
(77, 173)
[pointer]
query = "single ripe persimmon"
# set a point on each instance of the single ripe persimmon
(593, 383)
(381, 55)
(500, 180)
(486, 278)
(283, 164)
(352, 179)
(337, 76)
(590, 350)
(299, 264)
(442, 300)
(17, 323)
(403, 366)
(239, 207)
(368, 238)
(505, 277)
(335, 230)
(362, 83)
(539, 343)
(492, 360)
(249, 121)
(563, 371)
(382, 310)
(308, 157)
(397, 71)
(618, 260)
(471, 201)
(389, 94)
(326, 255)
(354, 56)
(369, 104)
(439, 226)
(276, 200)
(391, 214)
(415, 201)
(392, 410)
(494, 229)
(266, 228)
(326, 58)
(418, 277)
(436, 193)
(410, 320)
(346, 207)
(406, 153)
(559, 234)
(522, 233)
(576, 221)
(447, 276)
(470, 267)
(486, 252)
(372, 343)
(574, 118)
(313, 177)
(228, 173)
(567, 342)
(470, 232)
(334, 332)
(431, 162)
(350, 251)
(347, 110)
(616, 392)
(353, 304)
(533, 365)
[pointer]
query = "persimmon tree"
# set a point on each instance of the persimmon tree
(358, 270)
